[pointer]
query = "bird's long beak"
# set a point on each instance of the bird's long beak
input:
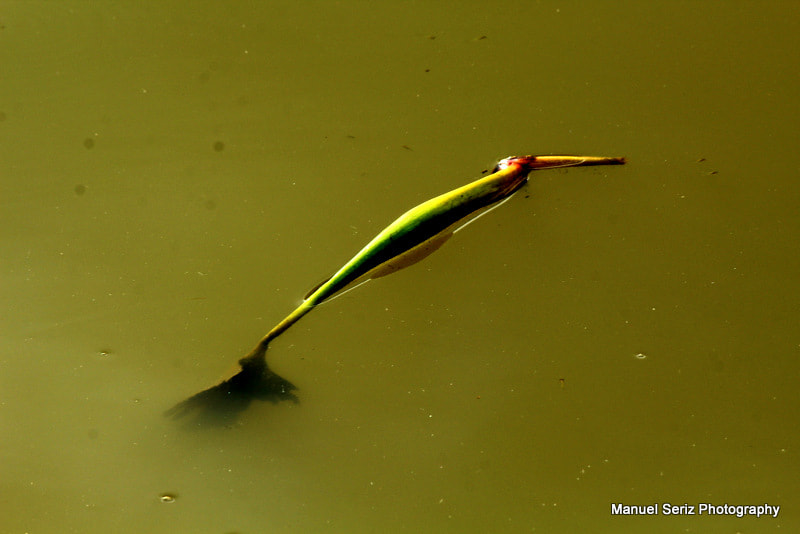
(550, 162)
(535, 163)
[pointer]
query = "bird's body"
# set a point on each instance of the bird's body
(410, 238)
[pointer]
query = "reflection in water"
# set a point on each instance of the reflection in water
(219, 405)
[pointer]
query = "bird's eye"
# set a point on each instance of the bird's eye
(502, 164)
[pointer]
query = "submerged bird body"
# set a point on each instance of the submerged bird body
(410, 238)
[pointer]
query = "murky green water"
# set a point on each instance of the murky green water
(174, 177)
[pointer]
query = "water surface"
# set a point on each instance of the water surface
(174, 178)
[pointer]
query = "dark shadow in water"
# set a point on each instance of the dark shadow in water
(221, 404)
